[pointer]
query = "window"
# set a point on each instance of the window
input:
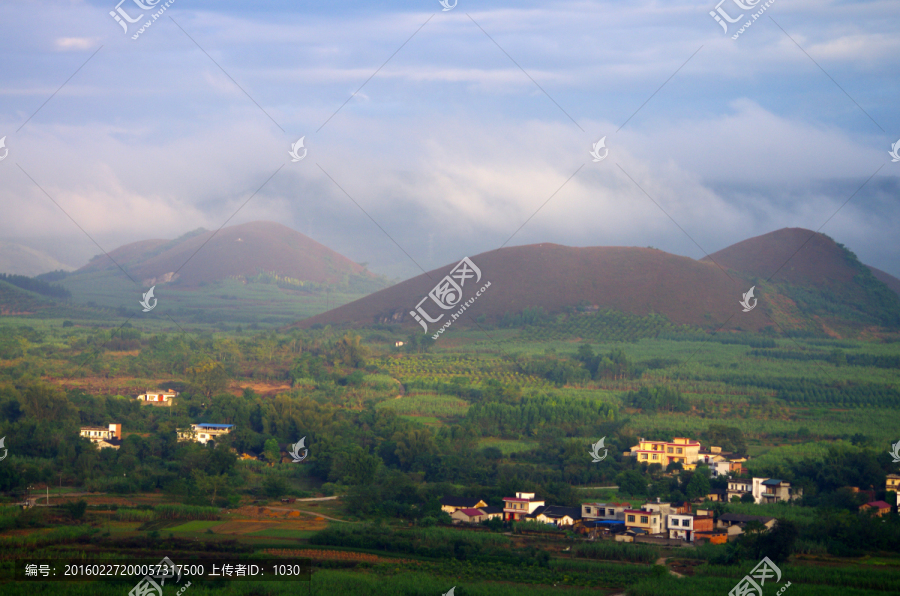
(679, 450)
(669, 450)
(587, 509)
(645, 519)
(631, 518)
(643, 456)
(686, 523)
(601, 511)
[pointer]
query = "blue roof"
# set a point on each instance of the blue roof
(213, 425)
(772, 481)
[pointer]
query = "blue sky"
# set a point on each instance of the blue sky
(451, 147)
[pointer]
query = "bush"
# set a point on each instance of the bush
(75, 509)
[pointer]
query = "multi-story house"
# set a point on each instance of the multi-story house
(683, 526)
(680, 450)
(773, 490)
(102, 436)
(664, 509)
(204, 432)
(892, 483)
(604, 511)
(523, 504)
(641, 519)
(738, 487)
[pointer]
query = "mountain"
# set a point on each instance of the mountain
(22, 260)
(243, 251)
(821, 283)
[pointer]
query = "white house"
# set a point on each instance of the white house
(157, 398)
(203, 432)
(523, 504)
(773, 490)
(739, 487)
(102, 436)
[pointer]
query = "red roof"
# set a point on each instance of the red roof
(878, 505)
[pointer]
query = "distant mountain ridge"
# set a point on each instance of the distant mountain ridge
(817, 282)
(245, 250)
(18, 259)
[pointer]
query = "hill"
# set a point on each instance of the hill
(22, 260)
(242, 251)
(822, 285)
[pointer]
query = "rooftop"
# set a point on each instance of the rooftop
(878, 504)
(460, 501)
(740, 518)
(213, 425)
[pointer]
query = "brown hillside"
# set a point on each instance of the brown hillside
(242, 250)
(887, 279)
(820, 261)
(123, 255)
(632, 280)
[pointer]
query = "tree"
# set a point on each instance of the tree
(271, 450)
(274, 487)
(698, 486)
(75, 509)
(632, 483)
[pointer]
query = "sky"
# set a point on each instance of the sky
(434, 134)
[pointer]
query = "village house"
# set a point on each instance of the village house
(157, 398)
(773, 490)
(892, 483)
(452, 504)
(734, 523)
(604, 511)
(518, 507)
(102, 436)
(717, 495)
(714, 537)
(204, 432)
(877, 508)
(680, 450)
(492, 512)
(684, 526)
(645, 521)
(738, 487)
(467, 515)
(555, 514)
(664, 509)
